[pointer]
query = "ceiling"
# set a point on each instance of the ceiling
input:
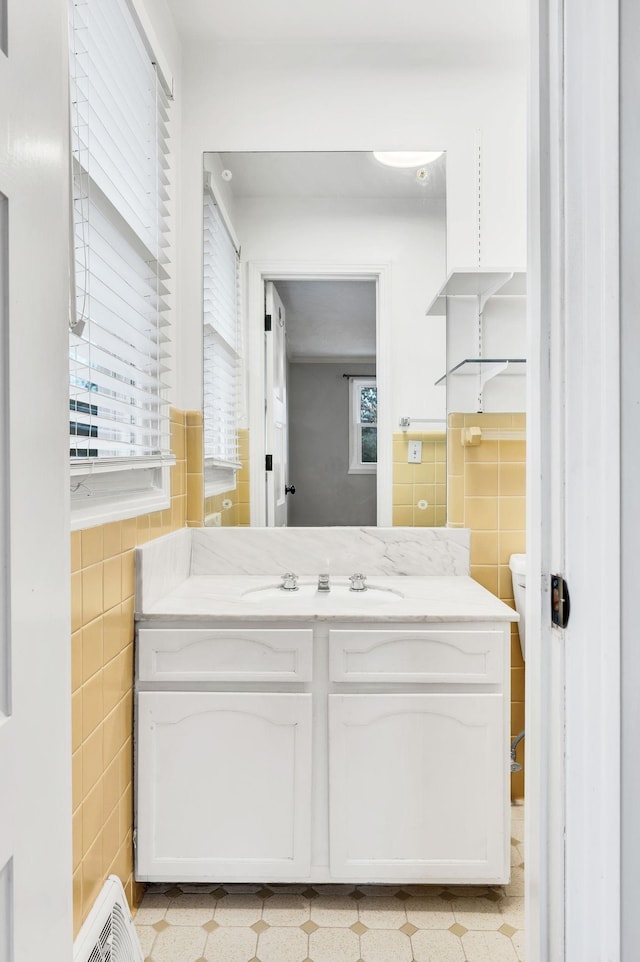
(330, 174)
(453, 23)
(329, 319)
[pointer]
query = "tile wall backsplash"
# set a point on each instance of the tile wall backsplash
(486, 492)
(102, 612)
(233, 506)
(420, 490)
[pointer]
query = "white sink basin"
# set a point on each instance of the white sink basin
(373, 595)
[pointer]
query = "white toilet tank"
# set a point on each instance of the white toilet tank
(518, 565)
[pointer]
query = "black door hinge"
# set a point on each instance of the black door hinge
(268, 462)
(267, 322)
(560, 602)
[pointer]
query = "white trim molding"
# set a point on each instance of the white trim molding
(630, 459)
(573, 681)
(592, 480)
(257, 274)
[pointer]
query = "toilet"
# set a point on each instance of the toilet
(518, 565)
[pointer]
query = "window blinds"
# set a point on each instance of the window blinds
(221, 339)
(118, 356)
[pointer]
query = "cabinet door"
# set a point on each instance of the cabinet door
(418, 787)
(223, 786)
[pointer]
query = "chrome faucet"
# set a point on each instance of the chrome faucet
(357, 582)
(323, 583)
(289, 582)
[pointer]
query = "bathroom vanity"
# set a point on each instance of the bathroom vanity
(306, 736)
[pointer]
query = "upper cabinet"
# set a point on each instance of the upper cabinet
(486, 339)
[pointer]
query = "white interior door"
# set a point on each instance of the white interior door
(573, 478)
(35, 691)
(277, 442)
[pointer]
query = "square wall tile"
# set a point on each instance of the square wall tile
(76, 601)
(484, 547)
(128, 533)
(481, 480)
(92, 654)
(487, 576)
(92, 546)
(178, 446)
(513, 515)
(513, 451)
(511, 542)
(194, 450)
(483, 452)
(402, 515)
(112, 582)
(112, 539)
(92, 761)
(512, 479)
(424, 473)
(76, 551)
(481, 514)
(76, 660)
(402, 494)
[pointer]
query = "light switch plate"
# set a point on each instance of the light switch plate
(415, 452)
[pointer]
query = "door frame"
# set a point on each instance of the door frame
(573, 501)
(257, 273)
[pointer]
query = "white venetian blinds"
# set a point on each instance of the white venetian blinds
(221, 339)
(118, 357)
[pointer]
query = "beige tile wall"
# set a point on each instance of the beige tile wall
(413, 483)
(102, 609)
(486, 492)
(233, 506)
(195, 476)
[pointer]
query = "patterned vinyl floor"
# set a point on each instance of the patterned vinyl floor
(338, 923)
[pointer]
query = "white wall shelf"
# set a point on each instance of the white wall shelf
(485, 312)
(483, 284)
(486, 368)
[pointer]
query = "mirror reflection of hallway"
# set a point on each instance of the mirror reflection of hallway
(330, 342)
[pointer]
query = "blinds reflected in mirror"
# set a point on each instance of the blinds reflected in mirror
(221, 317)
(118, 356)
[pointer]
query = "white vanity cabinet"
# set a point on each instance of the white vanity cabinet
(323, 751)
(223, 777)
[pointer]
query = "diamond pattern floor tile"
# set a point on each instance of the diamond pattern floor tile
(337, 923)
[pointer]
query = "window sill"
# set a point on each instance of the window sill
(117, 492)
(363, 469)
(219, 477)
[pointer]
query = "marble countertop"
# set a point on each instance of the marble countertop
(430, 598)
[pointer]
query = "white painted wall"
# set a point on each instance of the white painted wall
(407, 236)
(355, 97)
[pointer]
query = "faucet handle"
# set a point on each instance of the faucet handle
(289, 581)
(357, 582)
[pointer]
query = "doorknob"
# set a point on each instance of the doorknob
(289, 489)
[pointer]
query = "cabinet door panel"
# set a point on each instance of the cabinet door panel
(224, 654)
(418, 787)
(223, 786)
(403, 656)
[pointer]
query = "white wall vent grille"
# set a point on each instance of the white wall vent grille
(108, 935)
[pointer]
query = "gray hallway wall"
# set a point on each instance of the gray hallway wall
(326, 494)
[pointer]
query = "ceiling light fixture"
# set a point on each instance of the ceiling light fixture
(406, 158)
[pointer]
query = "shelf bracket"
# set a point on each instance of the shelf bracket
(486, 375)
(495, 287)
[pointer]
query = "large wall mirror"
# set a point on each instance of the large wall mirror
(318, 272)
